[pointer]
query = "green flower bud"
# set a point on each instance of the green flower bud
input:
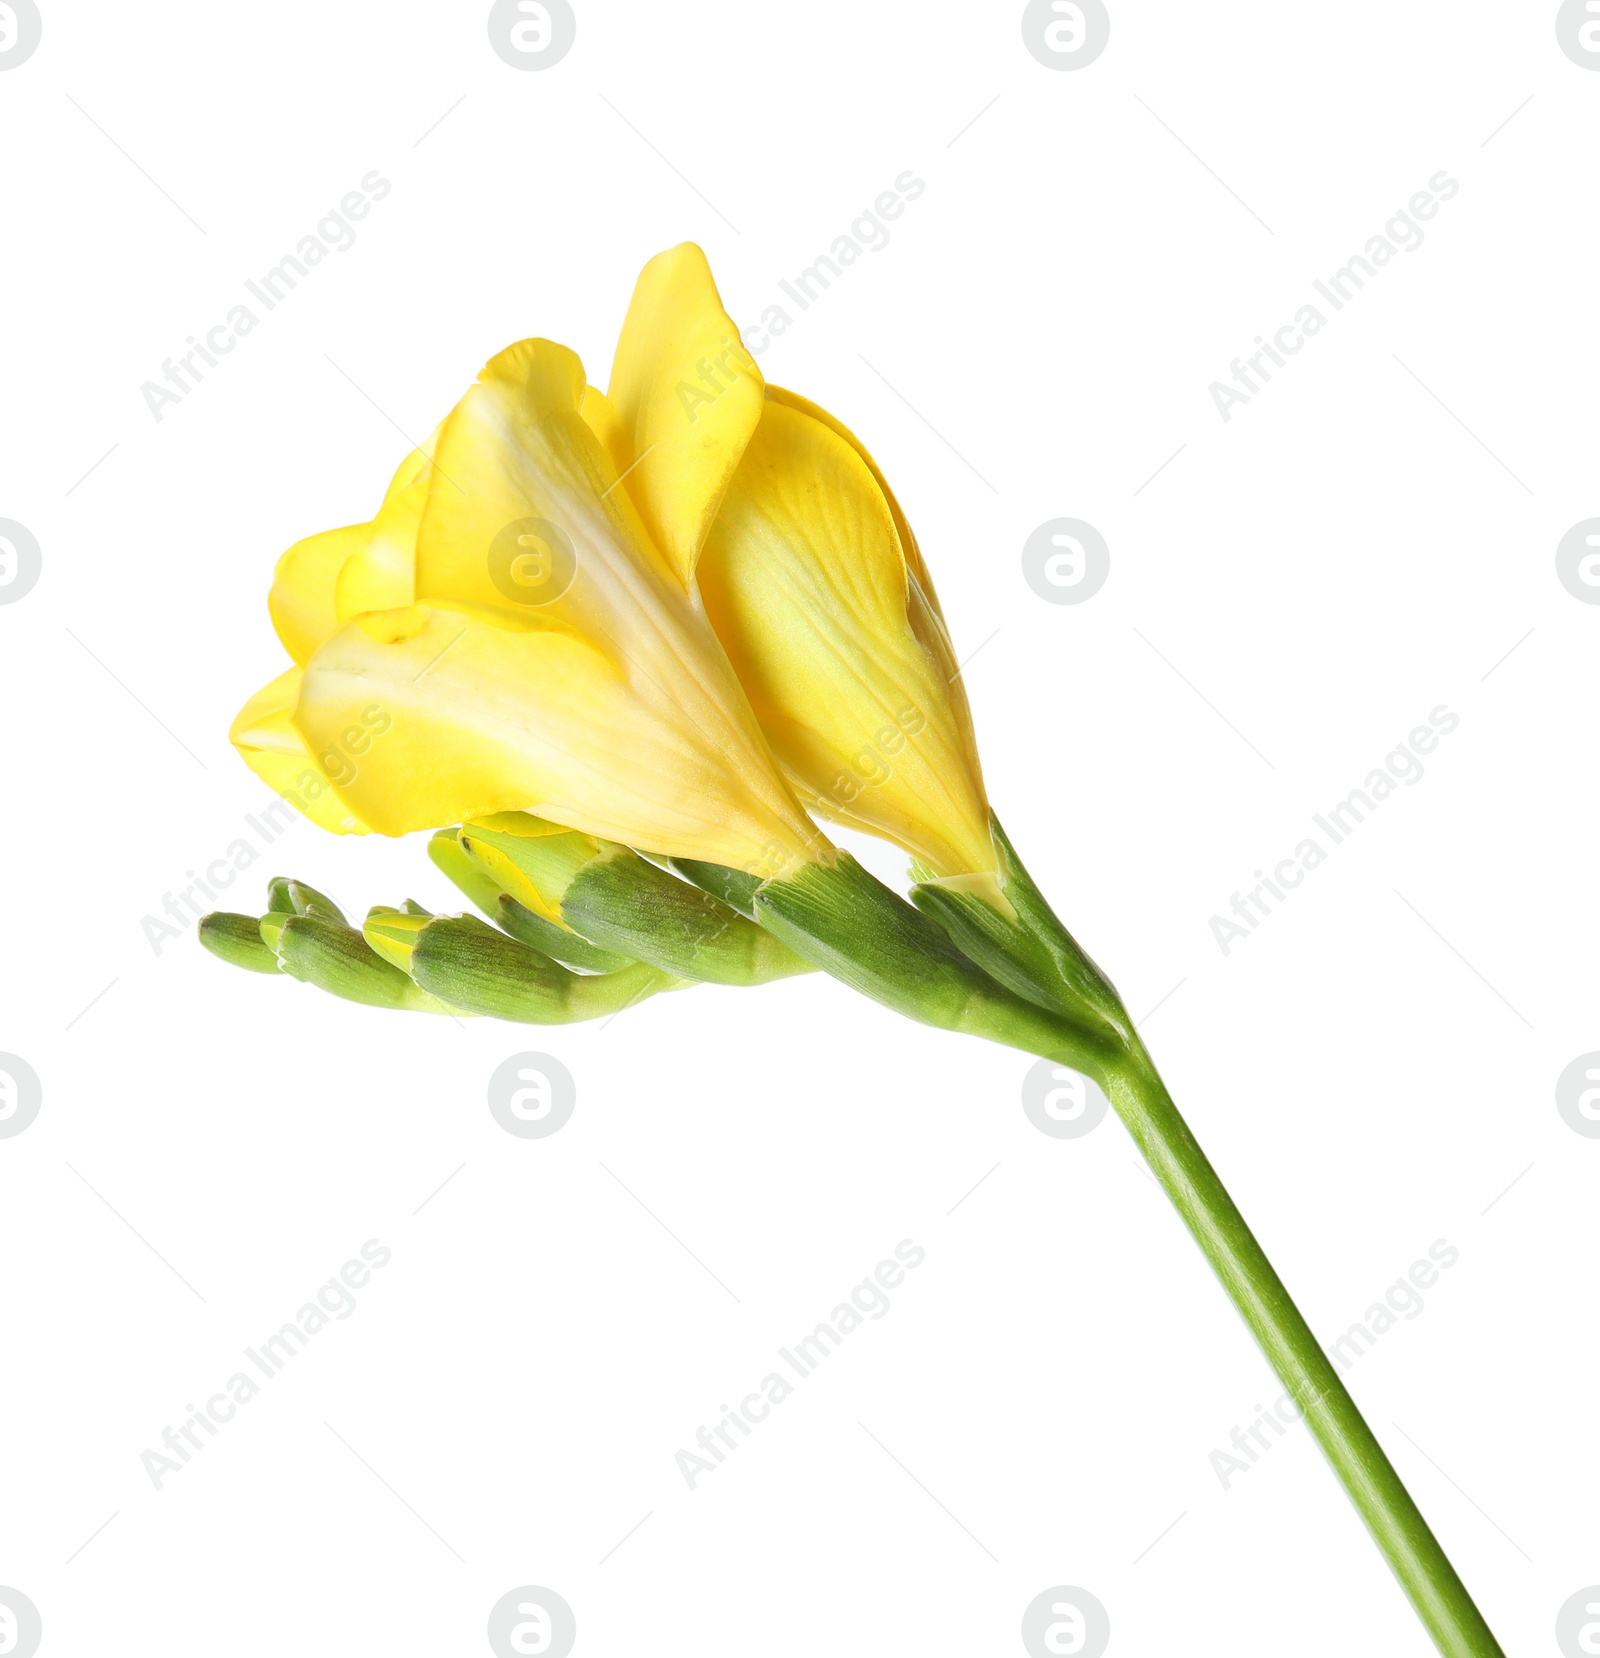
(467, 963)
(336, 958)
(393, 935)
(445, 851)
(532, 860)
(290, 897)
(623, 903)
(559, 943)
(732, 886)
(237, 939)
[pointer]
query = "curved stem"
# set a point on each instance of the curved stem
(1397, 1526)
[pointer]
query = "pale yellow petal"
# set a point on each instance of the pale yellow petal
(380, 573)
(926, 616)
(303, 602)
(688, 395)
(269, 744)
(523, 515)
(324, 580)
(806, 580)
(601, 417)
(476, 719)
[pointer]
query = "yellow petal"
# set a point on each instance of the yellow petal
(303, 602)
(810, 587)
(326, 579)
(470, 718)
(525, 532)
(266, 738)
(688, 395)
(522, 503)
(416, 465)
(601, 417)
(380, 573)
(927, 619)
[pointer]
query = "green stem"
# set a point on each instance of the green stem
(1058, 1004)
(1397, 1526)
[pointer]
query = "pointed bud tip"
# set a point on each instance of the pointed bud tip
(236, 939)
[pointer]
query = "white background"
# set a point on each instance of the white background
(1365, 541)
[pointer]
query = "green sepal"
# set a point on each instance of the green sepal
(732, 886)
(237, 939)
(623, 902)
(852, 926)
(1035, 955)
(471, 965)
(1003, 949)
(445, 851)
(392, 934)
(559, 943)
(286, 896)
(337, 959)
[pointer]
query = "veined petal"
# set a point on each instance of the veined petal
(478, 719)
(809, 585)
(923, 610)
(908, 541)
(523, 520)
(269, 744)
(688, 395)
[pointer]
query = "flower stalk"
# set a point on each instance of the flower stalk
(1036, 989)
(1424, 1571)
(1057, 1004)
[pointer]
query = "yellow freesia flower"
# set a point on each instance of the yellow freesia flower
(811, 577)
(507, 635)
(568, 604)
